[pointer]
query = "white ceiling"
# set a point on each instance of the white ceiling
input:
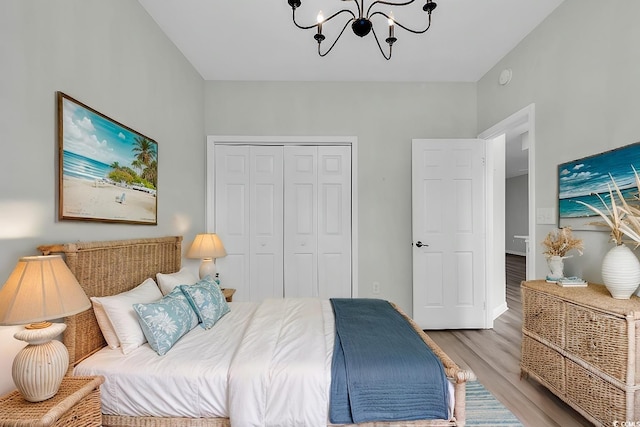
(257, 40)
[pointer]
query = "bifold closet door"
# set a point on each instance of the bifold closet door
(249, 219)
(317, 221)
(284, 215)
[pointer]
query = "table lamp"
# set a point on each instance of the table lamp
(40, 288)
(207, 247)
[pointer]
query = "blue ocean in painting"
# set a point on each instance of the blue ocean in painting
(588, 178)
(78, 166)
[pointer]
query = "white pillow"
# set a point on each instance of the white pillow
(167, 282)
(105, 324)
(119, 310)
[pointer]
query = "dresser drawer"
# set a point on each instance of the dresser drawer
(543, 314)
(588, 391)
(544, 362)
(599, 339)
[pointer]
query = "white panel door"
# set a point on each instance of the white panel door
(301, 221)
(317, 221)
(448, 222)
(232, 189)
(249, 194)
(266, 222)
(334, 221)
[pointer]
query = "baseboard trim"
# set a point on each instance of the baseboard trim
(500, 310)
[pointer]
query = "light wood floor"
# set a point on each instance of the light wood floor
(494, 356)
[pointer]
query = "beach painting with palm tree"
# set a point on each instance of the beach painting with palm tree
(107, 171)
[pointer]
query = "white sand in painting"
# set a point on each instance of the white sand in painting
(89, 199)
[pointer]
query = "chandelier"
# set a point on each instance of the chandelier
(361, 23)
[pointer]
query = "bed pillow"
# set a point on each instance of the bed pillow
(105, 325)
(164, 322)
(119, 309)
(207, 301)
(168, 281)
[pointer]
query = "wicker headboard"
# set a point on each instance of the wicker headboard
(109, 268)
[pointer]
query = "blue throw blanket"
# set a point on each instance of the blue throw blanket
(381, 368)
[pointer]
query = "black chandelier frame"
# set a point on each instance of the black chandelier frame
(361, 24)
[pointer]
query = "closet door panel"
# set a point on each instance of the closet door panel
(334, 221)
(301, 281)
(249, 185)
(300, 221)
(266, 222)
(232, 189)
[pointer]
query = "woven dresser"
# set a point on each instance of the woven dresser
(582, 345)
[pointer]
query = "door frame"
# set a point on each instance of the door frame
(351, 141)
(523, 118)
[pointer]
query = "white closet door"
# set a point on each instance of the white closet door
(301, 221)
(317, 218)
(249, 211)
(334, 221)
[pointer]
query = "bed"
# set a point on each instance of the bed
(112, 267)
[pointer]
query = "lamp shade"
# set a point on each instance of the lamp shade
(40, 288)
(205, 246)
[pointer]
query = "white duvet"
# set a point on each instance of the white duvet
(260, 365)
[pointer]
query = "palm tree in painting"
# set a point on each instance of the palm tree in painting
(145, 150)
(150, 173)
(137, 165)
(115, 165)
(146, 157)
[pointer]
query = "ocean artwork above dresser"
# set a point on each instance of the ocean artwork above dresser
(589, 180)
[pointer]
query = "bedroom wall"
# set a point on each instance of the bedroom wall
(516, 214)
(384, 117)
(580, 67)
(113, 57)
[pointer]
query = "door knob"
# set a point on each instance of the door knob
(420, 244)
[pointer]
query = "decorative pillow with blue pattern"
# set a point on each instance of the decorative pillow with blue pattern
(207, 300)
(165, 321)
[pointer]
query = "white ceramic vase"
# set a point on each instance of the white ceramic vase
(556, 266)
(621, 272)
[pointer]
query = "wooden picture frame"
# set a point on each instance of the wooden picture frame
(107, 171)
(588, 179)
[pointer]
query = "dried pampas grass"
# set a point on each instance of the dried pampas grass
(560, 241)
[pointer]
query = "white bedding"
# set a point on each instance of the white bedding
(189, 381)
(204, 374)
(259, 365)
(284, 365)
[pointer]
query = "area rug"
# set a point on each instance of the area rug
(483, 409)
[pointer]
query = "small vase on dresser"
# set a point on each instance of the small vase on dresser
(621, 272)
(556, 266)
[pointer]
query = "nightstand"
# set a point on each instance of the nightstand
(77, 404)
(228, 294)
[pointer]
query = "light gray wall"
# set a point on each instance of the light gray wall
(516, 214)
(385, 117)
(113, 57)
(580, 67)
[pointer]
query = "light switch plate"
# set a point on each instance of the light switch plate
(545, 216)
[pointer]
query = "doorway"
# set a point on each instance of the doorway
(519, 130)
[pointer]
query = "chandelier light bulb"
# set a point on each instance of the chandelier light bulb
(319, 36)
(390, 20)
